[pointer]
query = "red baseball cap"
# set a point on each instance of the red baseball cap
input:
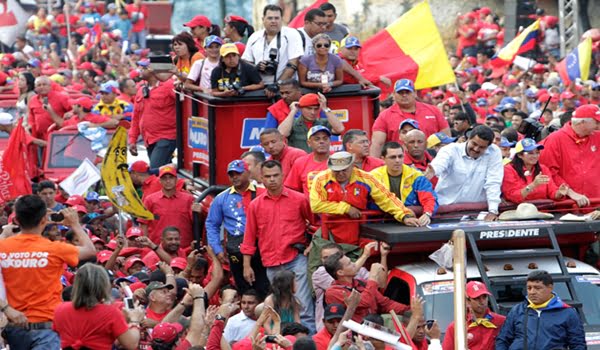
(167, 169)
(96, 239)
(308, 100)
(103, 256)
(139, 166)
(234, 18)
(75, 200)
(132, 260)
(137, 285)
(179, 263)
(565, 95)
(538, 68)
(134, 231)
(8, 59)
(166, 332)
(587, 111)
(199, 21)
(476, 289)
(80, 208)
(85, 66)
(497, 91)
(84, 102)
(112, 244)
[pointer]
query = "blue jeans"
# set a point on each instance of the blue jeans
(22, 339)
(139, 38)
(161, 153)
(299, 266)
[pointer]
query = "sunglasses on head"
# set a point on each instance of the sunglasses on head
(318, 46)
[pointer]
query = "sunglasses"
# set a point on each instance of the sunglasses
(318, 46)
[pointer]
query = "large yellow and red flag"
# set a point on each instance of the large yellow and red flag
(412, 48)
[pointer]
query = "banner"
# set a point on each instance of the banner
(14, 170)
(85, 176)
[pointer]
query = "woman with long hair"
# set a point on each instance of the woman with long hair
(89, 321)
(322, 70)
(526, 179)
(186, 53)
(237, 29)
(26, 85)
(282, 299)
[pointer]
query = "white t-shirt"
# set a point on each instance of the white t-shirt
(207, 67)
(257, 49)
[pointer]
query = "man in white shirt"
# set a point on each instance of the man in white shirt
(283, 44)
(240, 325)
(470, 172)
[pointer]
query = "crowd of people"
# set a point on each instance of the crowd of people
(276, 270)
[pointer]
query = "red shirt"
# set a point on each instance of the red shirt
(154, 117)
(371, 300)
(279, 110)
(512, 184)
(574, 160)
(170, 211)
(60, 19)
(303, 172)
(268, 217)
(152, 185)
(370, 163)
(287, 158)
(156, 316)
(430, 119)
(357, 66)
(141, 12)
(40, 119)
(96, 328)
(478, 337)
(322, 339)
(89, 117)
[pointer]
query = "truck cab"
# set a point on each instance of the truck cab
(436, 286)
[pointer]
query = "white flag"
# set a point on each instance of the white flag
(85, 176)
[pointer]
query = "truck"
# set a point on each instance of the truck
(213, 131)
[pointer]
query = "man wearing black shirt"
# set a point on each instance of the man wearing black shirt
(233, 77)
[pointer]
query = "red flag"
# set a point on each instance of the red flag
(14, 171)
(404, 337)
(94, 36)
(298, 21)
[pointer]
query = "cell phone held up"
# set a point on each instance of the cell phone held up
(57, 217)
(270, 339)
(128, 303)
(429, 323)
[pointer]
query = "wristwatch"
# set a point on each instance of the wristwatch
(428, 214)
(219, 318)
(327, 109)
(493, 211)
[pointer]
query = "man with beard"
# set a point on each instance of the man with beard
(169, 247)
(307, 167)
(470, 172)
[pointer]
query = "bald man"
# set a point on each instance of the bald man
(416, 150)
(46, 107)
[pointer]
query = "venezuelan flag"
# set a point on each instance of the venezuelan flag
(577, 63)
(522, 43)
(412, 48)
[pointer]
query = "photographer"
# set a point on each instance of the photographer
(233, 77)
(275, 50)
(32, 266)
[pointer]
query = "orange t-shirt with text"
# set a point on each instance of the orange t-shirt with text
(31, 267)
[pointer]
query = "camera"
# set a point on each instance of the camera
(57, 217)
(531, 128)
(274, 88)
(270, 339)
(236, 86)
(271, 64)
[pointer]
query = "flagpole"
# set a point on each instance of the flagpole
(460, 326)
